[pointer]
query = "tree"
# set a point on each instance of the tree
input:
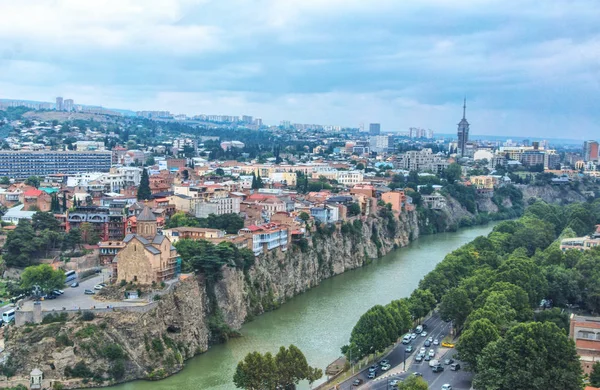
(43, 221)
(73, 238)
(474, 339)
(456, 306)
(255, 372)
(353, 209)
(413, 382)
(20, 249)
(453, 173)
(292, 367)
(360, 166)
(4, 180)
(150, 161)
(421, 302)
(185, 174)
(180, 219)
(595, 375)
(374, 331)
(33, 181)
(219, 171)
(531, 356)
(64, 202)
(144, 192)
(44, 276)
(304, 216)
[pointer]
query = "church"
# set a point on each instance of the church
(147, 256)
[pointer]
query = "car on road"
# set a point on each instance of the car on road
(448, 361)
(409, 349)
(447, 345)
(75, 284)
(431, 353)
(455, 367)
(438, 368)
(406, 339)
(357, 382)
(374, 367)
(430, 339)
(384, 362)
(427, 343)
(99, 286)
(423, 334)
(427, 358)
(413, 336)
(385, 367)
(417, 374)
(419, 358)
(436, 342)
(446, 387)
(49, 296)
(424, 326)
(422, 351)
(372, 375)
(58, 292)
(394, 382)
(89, 292)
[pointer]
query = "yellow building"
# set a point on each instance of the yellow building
(147, 256)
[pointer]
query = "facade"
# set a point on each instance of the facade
(379, 143)
(585, 332)
(59, 104)
(325, 214)
(147, 257)
(434, 201)
(192, 233)
(396, 198)
(108, 250)
(22, 164)
(374, 129)
(590, 151)
(463, 131)
(36, 199)
(263, 238)
(217, 206)
(579, 243)
(109, 226)
(421, 161)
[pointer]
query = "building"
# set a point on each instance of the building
(590, 151)
(396, 198)
(374, 129)
(579, 243)
(463, 131)
(109, 226)
(36, 199)
(325, 214)
(379, 143)
(109, 250)
(192, 233)
(15, 214)
(585, 332)
(266, 237)
(434, 201)
(421, 161)
(147, 257)
(22, 164)
(68, 105)
(217, 206)
(59, 104)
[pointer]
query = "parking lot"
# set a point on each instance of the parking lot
(74, 298)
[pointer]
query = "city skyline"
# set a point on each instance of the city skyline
(400, 65)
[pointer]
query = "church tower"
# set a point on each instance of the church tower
(463, 131)
(146, 223)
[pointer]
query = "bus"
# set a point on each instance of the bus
(70, 275)
(8, 316)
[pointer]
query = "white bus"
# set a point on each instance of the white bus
(8, 316)
(70, 275)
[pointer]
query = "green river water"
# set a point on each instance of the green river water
(319, 321)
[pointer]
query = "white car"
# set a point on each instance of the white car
(430, 339)
(446, 387)
(58, 292)
(436, 342)
(394, 382)
(431, 353)
(98, 287)
(413, 336)
(424, 334)
(422, 351)
(385, 367)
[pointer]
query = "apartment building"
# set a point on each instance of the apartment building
(266, 237)
(192, 233)
(109, 226)
(22, 164)
(579, 243)
(396, 198)
(585, 332)
(325, 214)
(217, 206)
(421, 161)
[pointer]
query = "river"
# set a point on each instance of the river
(319, 321)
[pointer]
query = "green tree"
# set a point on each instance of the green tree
(41, 221)
(150, 161)
(4, 180)
(20, 249)
(219, 171)
(456, 306)
(474, 339)
(73, 238)
(554, 315)
(292, 367)
(374, 331)
(531, 356)
(453, 173)
(144, 192)
(180, 219)
(353, 209)
(44, 276)
(33, 181)
(413, 382)
(595, 375)
(421, 302)
(256, 372)
(304, 216)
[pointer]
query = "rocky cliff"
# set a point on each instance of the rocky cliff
(106, 348)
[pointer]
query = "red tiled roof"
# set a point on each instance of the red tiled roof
(33, 192)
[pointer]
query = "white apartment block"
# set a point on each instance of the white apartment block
(422, 161)
(217, 206)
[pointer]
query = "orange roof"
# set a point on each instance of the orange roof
(33, 192)
(592, 388)
(588, 344)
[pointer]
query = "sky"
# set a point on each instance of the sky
(527, 67)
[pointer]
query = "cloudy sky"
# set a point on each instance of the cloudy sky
(527, 67)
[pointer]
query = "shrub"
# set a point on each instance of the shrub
(86, 332)
(113, 352)
(88, 316)
(50, 318)
(63, 340)
(158, 346)
(81, 370)
(123, 283)
(117, 370)
(156, 297)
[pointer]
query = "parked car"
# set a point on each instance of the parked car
(431, 353)
(423, 334)
(385, 367)
(51, 296)
(406, 339)
(419, 358)
(75, 284)
(427, 343)
(98, 287)
(455, 367)
(394, 382)
(357, 382)
(446, 387)
(384, 362)
(427, 358)
(430, 339)
(413, 336)
(417, 374)
(374, 367)
(438, 368)
(436, 342)
(89, 292)
(58, 292)
(409, 349)
(448, 361)
(372, 375)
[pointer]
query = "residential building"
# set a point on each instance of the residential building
(217, 206)
(15, 214)
(109, 226)
(379, 143)
(22, 164)
(59, 104)
(147, 257)
(463, 131)
(421, 161)
(109, 250)
(396, 198)
(579, 243)
(585, 332)
(364, 189)
(68, 105)
(434, 201)
(325, 214)
(192, 233)
(266, 237)
(590, 151)
(36, 199)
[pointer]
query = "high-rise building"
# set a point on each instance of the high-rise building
(463, 131)
(22, 164)
(379, 143)
(247, 119)
(374, 129)
(59, 104)
(68, 105)
(590, 151)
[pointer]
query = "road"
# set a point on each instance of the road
(436, 328)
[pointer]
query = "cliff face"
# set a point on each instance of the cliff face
(155, 343)
(551, 194)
